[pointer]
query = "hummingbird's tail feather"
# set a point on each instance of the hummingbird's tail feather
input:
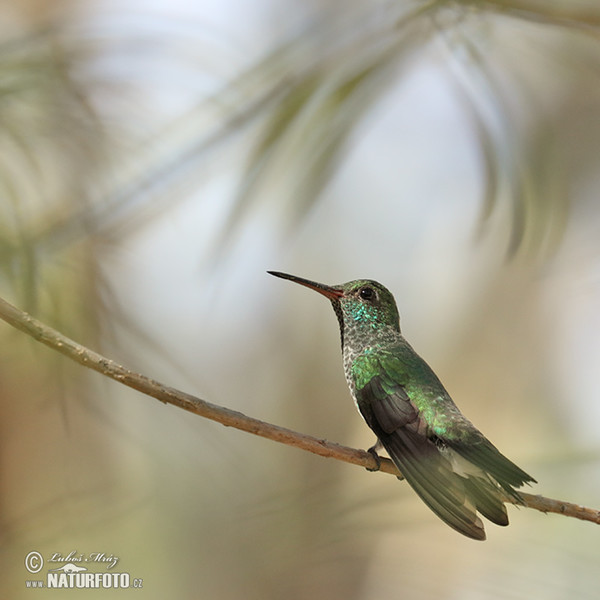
(487, 457)
(432, 478)
(487, 501)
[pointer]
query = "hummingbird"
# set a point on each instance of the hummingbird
(448, 462)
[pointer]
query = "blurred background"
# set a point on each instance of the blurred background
(157, 158)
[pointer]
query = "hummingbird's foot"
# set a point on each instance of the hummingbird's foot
(373, 452)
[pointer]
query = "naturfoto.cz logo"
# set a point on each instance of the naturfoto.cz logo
(75, 574)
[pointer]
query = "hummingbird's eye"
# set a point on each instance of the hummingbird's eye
(367, 293)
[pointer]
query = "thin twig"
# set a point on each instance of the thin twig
(231, 418)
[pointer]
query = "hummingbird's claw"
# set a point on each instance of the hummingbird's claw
(373, 452)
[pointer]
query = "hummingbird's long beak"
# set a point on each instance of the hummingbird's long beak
(329, 292)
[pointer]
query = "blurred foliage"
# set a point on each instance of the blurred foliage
(329, 76)
(307, 95)
(51, 146)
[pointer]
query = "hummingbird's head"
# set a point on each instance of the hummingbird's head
(364, 308)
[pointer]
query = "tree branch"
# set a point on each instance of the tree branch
(231, 418)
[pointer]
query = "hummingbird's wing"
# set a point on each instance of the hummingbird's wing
(395, 421)
(450, 477)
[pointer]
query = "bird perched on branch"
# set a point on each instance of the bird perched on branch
(447, 461)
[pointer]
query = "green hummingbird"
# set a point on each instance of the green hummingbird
(447, 461)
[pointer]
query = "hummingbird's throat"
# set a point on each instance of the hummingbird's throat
(337, 309)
